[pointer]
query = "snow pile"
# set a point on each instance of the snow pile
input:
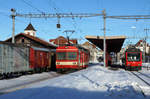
(93, 83)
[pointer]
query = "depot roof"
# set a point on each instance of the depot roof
(113, 43)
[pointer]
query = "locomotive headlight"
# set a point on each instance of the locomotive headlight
(58, 63)
(129, 64)
(139, 64)
(74, 63)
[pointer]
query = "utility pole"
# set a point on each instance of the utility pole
(104, 42)
(144, 48)
(13, 27)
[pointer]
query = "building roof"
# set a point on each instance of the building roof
(62, 39)
(89, 44)
(138, 43)
(113, 43)
(36, 39)
(30, 27)
(141, 41)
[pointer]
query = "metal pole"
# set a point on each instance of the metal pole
(13, 27)
(146, 30)
(104, 42)
(145, 47)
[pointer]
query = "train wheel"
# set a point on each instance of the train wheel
(59, 71)
(44, 69)
(10, 75)
(125, 68)
(36, 70)
(137, 68)
(1, 76)
(140, 67)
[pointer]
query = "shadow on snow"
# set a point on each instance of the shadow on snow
(69, 93)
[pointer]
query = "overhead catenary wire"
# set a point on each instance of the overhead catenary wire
(53, 5)
(136, 17)
(8, 16)
(33, 7)
(58, 10)
(75, 25)
(3, 14)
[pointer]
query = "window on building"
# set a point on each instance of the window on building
(22, 40)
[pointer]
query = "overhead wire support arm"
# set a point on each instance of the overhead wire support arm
(58, 16)
(61, 15)
(130, 17)
(132, 37)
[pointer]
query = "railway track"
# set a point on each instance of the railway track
(143, 77)
(145, 82)
(26, 84)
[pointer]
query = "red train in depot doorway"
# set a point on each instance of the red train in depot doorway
(71, 58)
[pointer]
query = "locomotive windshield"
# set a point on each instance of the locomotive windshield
(72, 55)
(61, 55)
(133, 56)
(66, 55)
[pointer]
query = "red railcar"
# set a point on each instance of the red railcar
(40, 59)
(71, 57)
(133, 59)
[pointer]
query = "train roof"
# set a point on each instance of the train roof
(44, 49)
(40, 49)
(73, 46)
(133, 49)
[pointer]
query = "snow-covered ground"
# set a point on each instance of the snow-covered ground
(8, 83)
(95, 82)
(146, 65)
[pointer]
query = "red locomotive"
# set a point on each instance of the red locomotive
(133, 59)
(71, 57)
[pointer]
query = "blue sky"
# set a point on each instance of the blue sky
(46, 28)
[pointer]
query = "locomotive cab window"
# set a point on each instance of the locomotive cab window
(133, 56)
(72, 55)
(67, 55)
(61, 55)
